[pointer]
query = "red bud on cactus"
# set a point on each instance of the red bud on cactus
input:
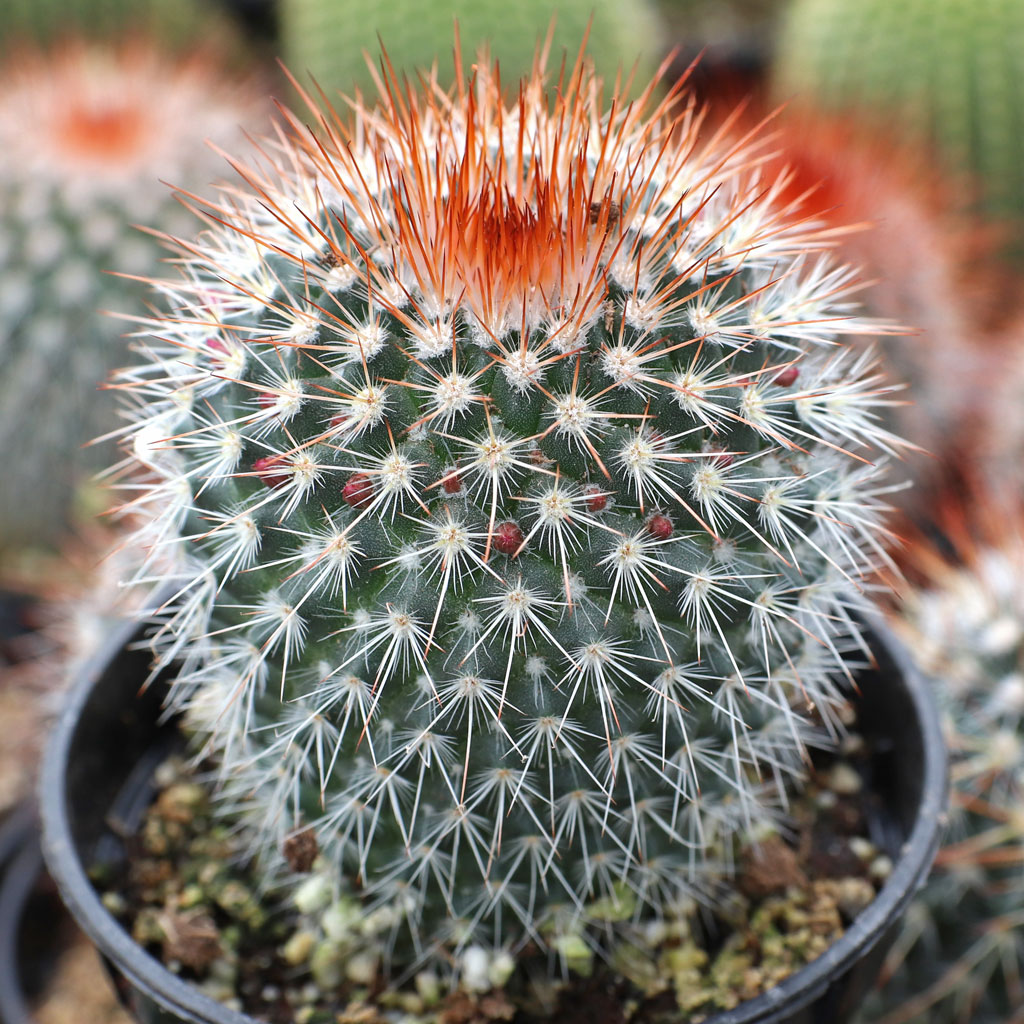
(659, 527)
(508, 538)
(358, 490)
(268, 469)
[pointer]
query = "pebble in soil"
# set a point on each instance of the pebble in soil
(187, 895)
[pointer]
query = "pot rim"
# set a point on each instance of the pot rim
(113, 941)
(800, 989)
(21, 864)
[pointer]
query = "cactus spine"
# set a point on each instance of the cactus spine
(87, 132)
(522, 477)
(960, 957)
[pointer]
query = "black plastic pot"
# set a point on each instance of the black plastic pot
(35, 929)
(97, 781)
(20, 865)
(257, 17)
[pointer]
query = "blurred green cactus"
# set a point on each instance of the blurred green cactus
(725, 23)
(42, 22)
(948, 72)
(960, 958)
(328, 38)
(86, 133)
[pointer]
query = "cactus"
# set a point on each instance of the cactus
(330, 39)
(737, 25)
(933, 269)
(520, 481)
(86, 132)
(948, 72)
(961, 955)
(46, 22)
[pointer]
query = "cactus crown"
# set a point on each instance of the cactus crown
(517, 479)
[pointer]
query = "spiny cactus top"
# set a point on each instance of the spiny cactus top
(521, 476)
(86, 133)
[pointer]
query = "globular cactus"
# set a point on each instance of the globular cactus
(330, 39)
(522, 481)
(961, 955)
(87, 132)
(947, 72)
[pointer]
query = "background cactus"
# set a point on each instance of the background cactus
(996, 446)
(520, 481)
(741, 27)
(950, 72)
(329, 39)
(961, 955)
(86, 134)
(46, 22)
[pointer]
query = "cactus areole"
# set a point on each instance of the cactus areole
(511, 555)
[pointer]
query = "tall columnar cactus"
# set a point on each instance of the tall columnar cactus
(86, 135)
(948, 71)
(521, 480)
(961, 955)
(330, 39)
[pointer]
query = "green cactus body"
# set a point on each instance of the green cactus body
(45, 22)
(951, 72)
(522, 477)
(739, 24)
(329, 39)
(961, 955)
(86, 134)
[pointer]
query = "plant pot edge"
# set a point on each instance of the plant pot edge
(795, 993)
(67, 870)
(910, 870)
